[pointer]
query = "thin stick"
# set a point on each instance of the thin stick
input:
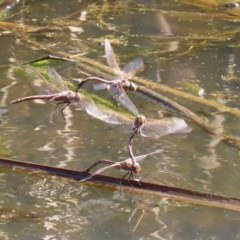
(139, 220)
(175, 193)
(158, 98)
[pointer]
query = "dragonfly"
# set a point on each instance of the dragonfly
(152, 128)
(57, 90)
(117, 88)
(126, 165)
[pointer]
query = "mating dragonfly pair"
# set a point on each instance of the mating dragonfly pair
(117, 87)
(58, 91)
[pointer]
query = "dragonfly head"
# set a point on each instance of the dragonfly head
(139, 121)
(135, 167)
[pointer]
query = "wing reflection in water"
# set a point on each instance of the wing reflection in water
(154, 128)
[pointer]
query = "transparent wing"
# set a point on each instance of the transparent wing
(131, 68)
(86, 103)
(138, 158)
(99, 86)
(120, 96)
(110, 57)
(153, 128)
(166, 126)
(109, 116)
(56, 80)
(39, 83)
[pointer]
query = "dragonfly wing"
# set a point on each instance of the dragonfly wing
(166, 126)
(39, 83)
(56, 80)
(112, 118)
(100, 86)
(110, 57)
(87, 103)
(141, 157)
(120, 96)
(96, 111)
(138, 158)
(179, 126)
(131, 68)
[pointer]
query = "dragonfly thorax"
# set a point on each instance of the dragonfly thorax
(129, 86)
(73, 97)
(129, 165)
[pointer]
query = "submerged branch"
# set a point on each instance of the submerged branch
(179, 194)
(220, 107)
(145, 82)
(161, 87)
(170, 104)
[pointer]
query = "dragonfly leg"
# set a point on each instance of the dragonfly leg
(121, 180)
(125, 175)
(128, 173)
(140, 179)
(67, 103)
(114, 102)
(130, 176)
(63, 109)
(59, 104)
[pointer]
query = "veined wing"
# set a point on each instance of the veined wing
(56, 80)
(118, 164)
(153, 128)
(109, 116)
(107, 84)
(87, 103)
(99, 86)
(158, 128)
(120, 96)
(110, 57)
(39, 83)
(131, 68)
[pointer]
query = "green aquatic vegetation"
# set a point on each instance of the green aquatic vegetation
(42, 67)
(4, 152)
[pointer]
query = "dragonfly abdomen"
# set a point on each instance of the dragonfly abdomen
(32, 98)
(67, 96)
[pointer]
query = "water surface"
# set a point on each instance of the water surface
(184, 47)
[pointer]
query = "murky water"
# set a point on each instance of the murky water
(183, 47)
